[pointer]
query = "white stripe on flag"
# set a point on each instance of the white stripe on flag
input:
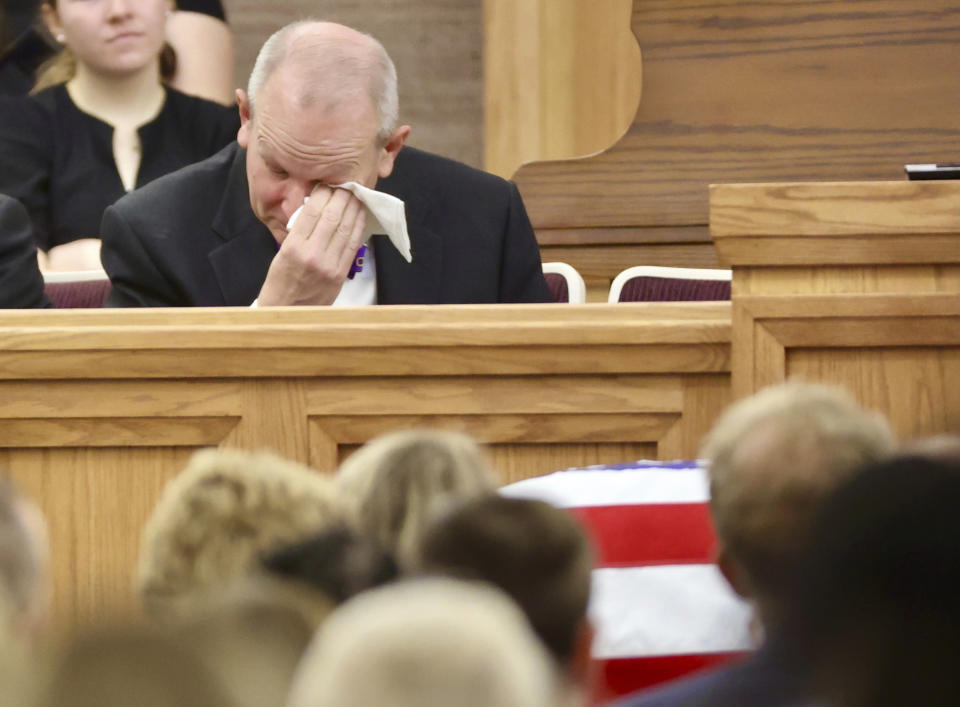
(666, 610)
(579, 488)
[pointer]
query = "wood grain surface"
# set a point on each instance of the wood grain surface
(99, 408)
(773, 90)
(436, 45)
(561, 79)
(855, 284)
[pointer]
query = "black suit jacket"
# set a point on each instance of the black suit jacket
(769, 678)
(191, 239)
(21, 284)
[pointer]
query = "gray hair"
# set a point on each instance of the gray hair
(320, 57)
(425, 643)
(773, 458)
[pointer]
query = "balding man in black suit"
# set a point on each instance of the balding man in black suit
(320, 111)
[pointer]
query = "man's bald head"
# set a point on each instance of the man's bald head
(332, 64)
(774, 458)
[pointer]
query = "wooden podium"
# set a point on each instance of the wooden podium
(856, 284)
(98, 409)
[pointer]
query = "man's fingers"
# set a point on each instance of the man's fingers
(309, 216)
(332, 214)
(352, 239)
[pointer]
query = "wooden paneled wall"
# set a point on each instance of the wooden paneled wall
(98, 409)
(780, 90)
(436, 45)
(562, 79)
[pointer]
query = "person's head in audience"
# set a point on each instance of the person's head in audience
(128, 666)
(338, 563)
(219, 516)
(878, 608)
(107, 39)
(773, 458)
(396, 484)
(253, 635)
(317, 79)
(425, 643)
(539, 555)
(24, 559)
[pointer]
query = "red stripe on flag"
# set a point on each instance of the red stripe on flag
(650, 534)
(621, 676)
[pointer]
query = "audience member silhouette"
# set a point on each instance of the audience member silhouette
(396, 484)
(219, 516)
(425, 643)
(773, 460)
(539, 555)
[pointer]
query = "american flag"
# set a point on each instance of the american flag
(659, 605)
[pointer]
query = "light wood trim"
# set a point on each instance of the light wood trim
(828, 209)
(856, 332)
(769, 357)
(85, 397)
(561, 79)
(233, 363)
(577, 395)
(115, 432)
(853, 305)
(601, 427)
(838, 250)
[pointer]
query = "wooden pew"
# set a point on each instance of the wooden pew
(98, 409)
(784, 90)
(856, 284)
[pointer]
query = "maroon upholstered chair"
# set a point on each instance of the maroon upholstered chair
(77, 290)
(645, 283)
(565, 283)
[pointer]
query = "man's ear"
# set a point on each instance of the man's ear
(243, 105)
(390, 150)
(732, 571)
(51, 19)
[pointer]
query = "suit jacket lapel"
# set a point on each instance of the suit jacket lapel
(241, 262)
(400, 282)
(419, 282)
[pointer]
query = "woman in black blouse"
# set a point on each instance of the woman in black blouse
(108, 126)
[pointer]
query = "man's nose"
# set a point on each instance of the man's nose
(294, 196)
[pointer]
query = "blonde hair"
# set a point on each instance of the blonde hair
(426, 643)
(773, 458)
(396, 484)
(223, 511)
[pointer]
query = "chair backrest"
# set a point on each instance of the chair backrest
(565, 283)
(646, 283)
(81, 289)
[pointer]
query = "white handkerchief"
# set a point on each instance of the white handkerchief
(385, 214)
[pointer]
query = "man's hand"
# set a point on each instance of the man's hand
(315, 257)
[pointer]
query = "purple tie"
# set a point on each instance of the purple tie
(357, 265)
